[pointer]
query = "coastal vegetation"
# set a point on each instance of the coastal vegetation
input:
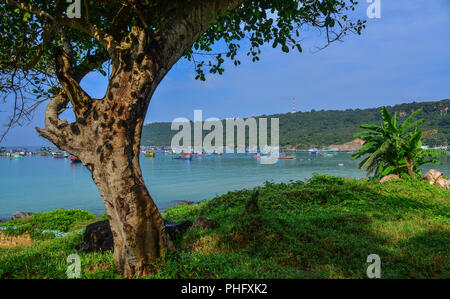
(324, 227)
(394, 147)
(45, 54)
(325, 127)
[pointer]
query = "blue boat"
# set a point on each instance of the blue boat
(184, 156)
(15, 156)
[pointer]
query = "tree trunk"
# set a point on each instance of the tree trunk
(137, 226)
(107, 132)
(409, 166)
(113, 159)
(114, 127)
(106, 138)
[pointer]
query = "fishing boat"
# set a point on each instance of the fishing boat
(327, 155)
(287, 157)
(75, 159)
(261, 155)
(150, 154)
(251, 150)
(58, 155)
(15, 156)
(184, 156)
(313, 151)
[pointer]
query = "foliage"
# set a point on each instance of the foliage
(323, 128)
(275, 22)
(394, 148)
(33, 30)
(57, 220)
(322, 228)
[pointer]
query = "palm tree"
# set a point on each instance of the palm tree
(394, 148)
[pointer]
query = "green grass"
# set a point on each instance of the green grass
(323, 228)
(58, 220)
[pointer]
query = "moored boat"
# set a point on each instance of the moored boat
(261, 155)
(75, 159)
(287, 157)
(150, 154)
(15, 156)
(58, 155)
(184, 156)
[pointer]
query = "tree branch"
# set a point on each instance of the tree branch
(85, 67)
(188, 22)
(92, 30)
(71, 87)
(56, 130)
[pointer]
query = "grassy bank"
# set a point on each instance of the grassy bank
(323, 228)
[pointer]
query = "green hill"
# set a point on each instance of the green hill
(325, 127)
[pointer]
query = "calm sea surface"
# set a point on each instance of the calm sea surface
(37, 184)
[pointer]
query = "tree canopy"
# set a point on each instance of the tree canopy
(31, 29)
(45, 54)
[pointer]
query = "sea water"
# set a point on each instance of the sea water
(38, 184)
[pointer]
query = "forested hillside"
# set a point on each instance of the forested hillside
(325, 127)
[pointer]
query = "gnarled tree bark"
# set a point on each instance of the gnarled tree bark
(107, 132)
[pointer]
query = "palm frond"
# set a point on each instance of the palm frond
(407, 122)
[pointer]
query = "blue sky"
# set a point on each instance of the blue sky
(402, 57)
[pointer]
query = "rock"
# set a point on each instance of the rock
(98, 235)
(176, 228)
(19, 215)
(432, 176)
(205, 223)
(389, 178)
(443, 183)
(435, 177)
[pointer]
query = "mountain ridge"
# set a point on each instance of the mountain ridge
(326, 127)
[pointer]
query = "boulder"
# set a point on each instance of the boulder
(19, 215)
(443, 183)
(432, 176)
(177, 228)
(98, 235)
(389, 178)
(205, 223)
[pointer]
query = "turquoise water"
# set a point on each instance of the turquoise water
(37, 184)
